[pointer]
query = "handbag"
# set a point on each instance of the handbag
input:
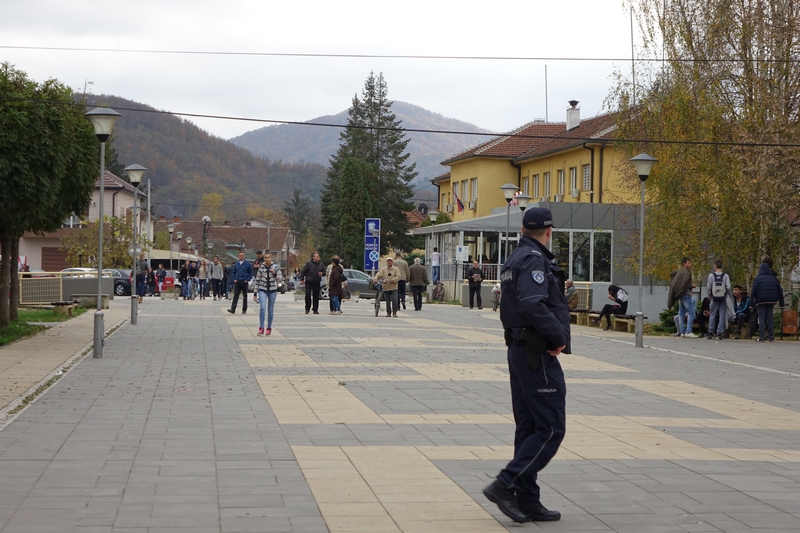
(346, 295)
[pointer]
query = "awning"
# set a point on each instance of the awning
(163, 255)
(491, 223)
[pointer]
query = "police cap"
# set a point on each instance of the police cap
(537, 218)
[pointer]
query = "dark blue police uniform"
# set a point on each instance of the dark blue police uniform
(533, 299)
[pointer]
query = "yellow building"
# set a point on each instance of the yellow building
(572, 161)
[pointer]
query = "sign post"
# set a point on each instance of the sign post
(372, 244)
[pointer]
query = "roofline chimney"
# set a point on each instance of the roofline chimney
(573, 115)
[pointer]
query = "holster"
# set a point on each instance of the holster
(537, 347)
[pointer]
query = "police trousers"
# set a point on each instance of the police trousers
(539, 403)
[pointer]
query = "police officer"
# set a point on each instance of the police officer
(535, 317)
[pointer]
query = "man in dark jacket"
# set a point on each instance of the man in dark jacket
(767, 292)
(417, 281)
(242, 274)
(311, 278)
(183, 277)
(535, 317)
(475, 277)
(680, 290)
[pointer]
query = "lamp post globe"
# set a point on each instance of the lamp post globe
(643, 163)
(171, 230)
(102, 119)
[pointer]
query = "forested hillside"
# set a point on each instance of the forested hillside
(294, 143)
(184, 163)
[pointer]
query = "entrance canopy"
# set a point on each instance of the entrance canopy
(491, 223)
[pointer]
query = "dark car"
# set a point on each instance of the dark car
(122, 280)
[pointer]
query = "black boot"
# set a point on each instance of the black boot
(504, 497)
(536, 512)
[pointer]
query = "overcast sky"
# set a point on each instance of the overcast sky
(494, 94)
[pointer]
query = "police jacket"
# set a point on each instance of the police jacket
(766, 288)
(533, 294)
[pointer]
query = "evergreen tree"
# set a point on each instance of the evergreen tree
(298, 211)
(373, 157)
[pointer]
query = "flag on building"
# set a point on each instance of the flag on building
(458, 202)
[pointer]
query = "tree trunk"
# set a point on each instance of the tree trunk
(5, 272)
(14, 280)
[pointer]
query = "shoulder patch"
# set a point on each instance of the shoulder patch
(507, 275)
(538, 276)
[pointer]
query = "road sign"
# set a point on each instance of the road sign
(372, 244)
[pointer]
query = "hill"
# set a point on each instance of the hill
(296, 143)
(184, 162)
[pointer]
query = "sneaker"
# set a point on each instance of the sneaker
(689, 335)
(720, 337)
(268, 331)
(332, 313)
(679, 334)
(260, 332)
(759, 339)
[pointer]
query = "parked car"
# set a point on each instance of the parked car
(122, 280)
(78, 272)
(251, 285)
(356, 281)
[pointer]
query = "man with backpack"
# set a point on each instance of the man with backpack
(717, 288)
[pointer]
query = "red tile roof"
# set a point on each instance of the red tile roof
(601, 127)
(114, 182)
(513, 144)
(254, 238)
(415, 217)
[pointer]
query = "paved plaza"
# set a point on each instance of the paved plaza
(352, 423)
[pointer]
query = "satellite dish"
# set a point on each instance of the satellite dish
(206, 219)
(423, 209)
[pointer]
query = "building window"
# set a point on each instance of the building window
(525, 185)
(535, 192)
(573, 178)
(587, 177)
(561, 182)
(546, 191)
(583, 255)
(443, 205)
(474, 182)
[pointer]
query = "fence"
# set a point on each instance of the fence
(46, 287)
(40, 290)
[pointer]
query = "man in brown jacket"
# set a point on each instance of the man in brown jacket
(417, 281)
(390, 276)
(680, 290)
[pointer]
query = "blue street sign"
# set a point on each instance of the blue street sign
(372, 244)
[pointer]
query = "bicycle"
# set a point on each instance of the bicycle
(438, 292)
(378, 286)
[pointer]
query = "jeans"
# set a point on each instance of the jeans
(216, 287)
(687, 308)
(717, 323)
(766, 322)
(140, 284)
(435, 274)
(416, 291)
(202, 289)
(336, 302)
(185, 288)
(391, 301)
(266, 302)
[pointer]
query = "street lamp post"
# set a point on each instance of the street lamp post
(189, 249)
(508, 193)
(433, 215)
(171, 229)
(179, 236)
(102, 119)
(643, 164)
(135, 173)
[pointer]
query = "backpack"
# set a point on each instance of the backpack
(718, 289)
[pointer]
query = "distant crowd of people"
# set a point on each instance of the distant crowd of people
(724, 306)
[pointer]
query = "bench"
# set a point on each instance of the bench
(65, 308)
(626, 323)
(579, 317)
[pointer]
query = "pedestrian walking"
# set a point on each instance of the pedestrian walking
(161, 275)
(766, 292)
(216, 273)
(202, 276)
(389, 275)
(183, 277)
(268, 276)
(418, 280)
(140, 267)
(311, 277)
(535, 318)
(717, 288)
(475, 278)
(242, 274)
(150, 281)
(680, 290)
(335, 286)
(405, 273)
(192, 280)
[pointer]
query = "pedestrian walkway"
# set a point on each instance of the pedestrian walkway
(346, 423)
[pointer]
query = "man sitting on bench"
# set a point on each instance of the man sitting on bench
(619, 307)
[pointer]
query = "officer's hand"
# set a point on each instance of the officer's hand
(556, 351)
